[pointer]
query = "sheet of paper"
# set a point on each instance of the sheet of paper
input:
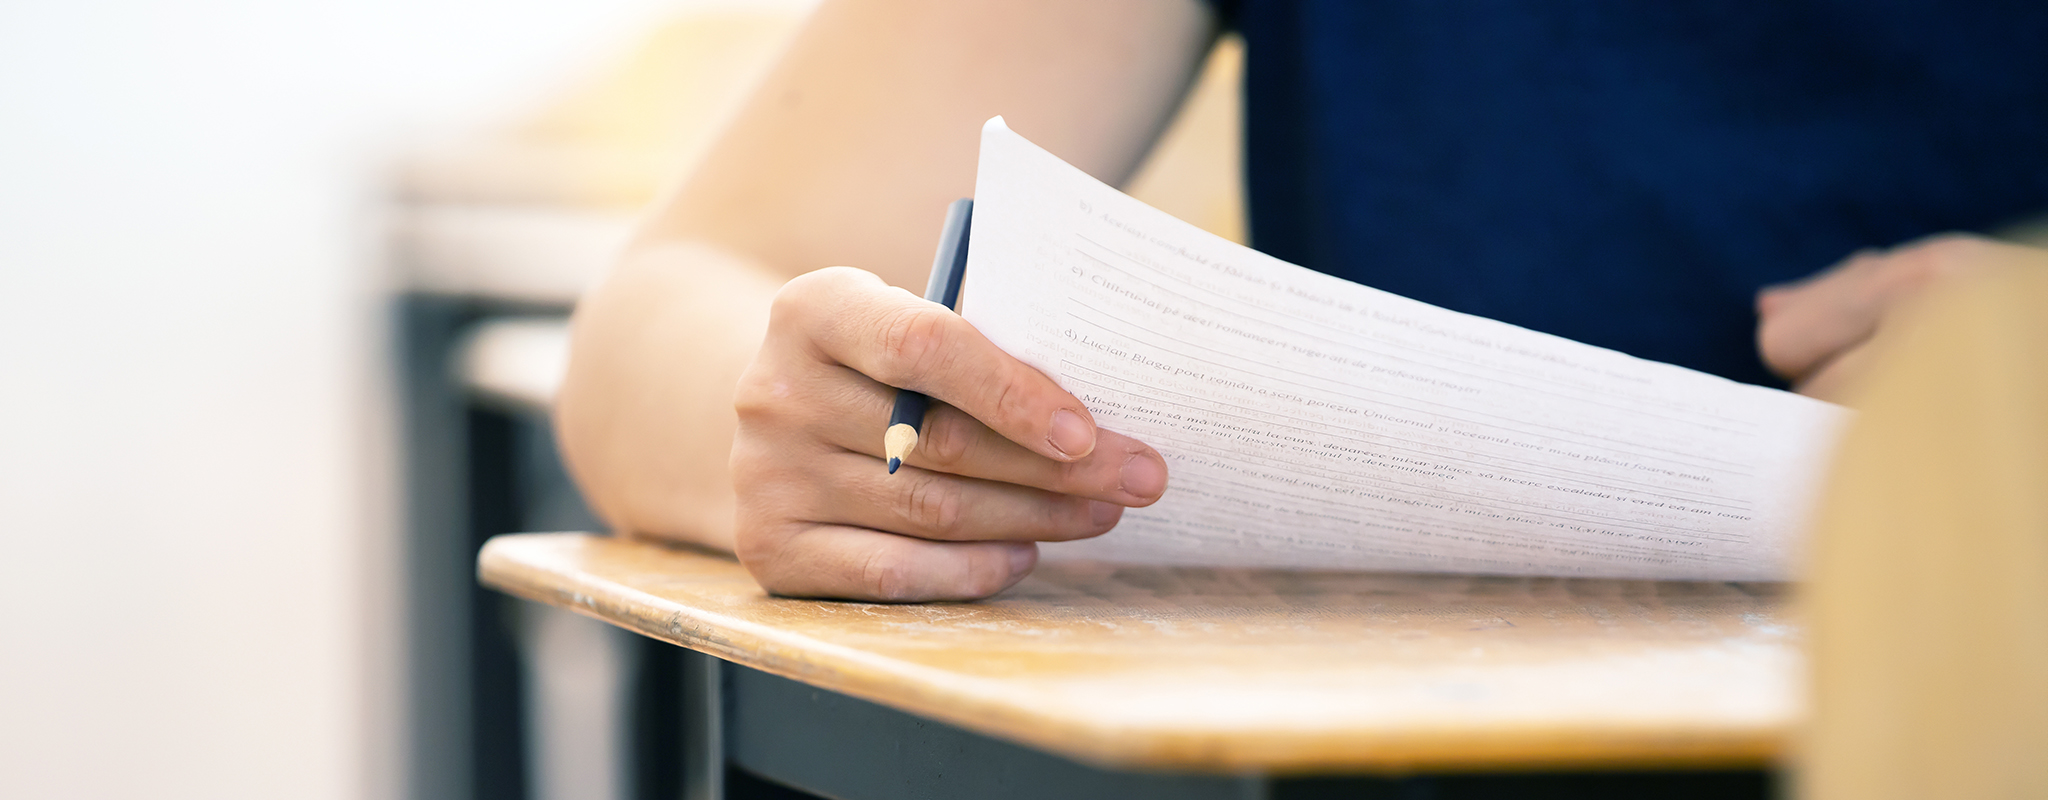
(1309, 422)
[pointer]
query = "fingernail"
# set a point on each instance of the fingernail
(1022, 559)
(1071, 435)
(1142, 476)
(1104, 513)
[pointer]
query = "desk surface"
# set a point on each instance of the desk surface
(1245, 671)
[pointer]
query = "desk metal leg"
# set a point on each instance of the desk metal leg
(703, 709)
(579, 681)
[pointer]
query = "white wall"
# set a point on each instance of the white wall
(188, 483)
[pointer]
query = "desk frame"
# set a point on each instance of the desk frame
(749, 735)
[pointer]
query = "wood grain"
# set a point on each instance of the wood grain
(1245, 671)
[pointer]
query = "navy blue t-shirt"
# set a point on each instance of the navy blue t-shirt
(1629, 173)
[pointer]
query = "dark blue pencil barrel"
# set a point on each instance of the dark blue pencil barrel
(949, 266)
(910, 408)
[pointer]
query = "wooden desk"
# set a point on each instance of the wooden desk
(1245, 672)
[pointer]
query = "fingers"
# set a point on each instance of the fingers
(838, 561)
(935, 505)
(1006, 458)
(814, 521)
(1121, 469)
(900, 340)
(1806, 326)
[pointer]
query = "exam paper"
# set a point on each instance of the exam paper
(1313, 423)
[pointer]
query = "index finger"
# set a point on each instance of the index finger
(904, 341)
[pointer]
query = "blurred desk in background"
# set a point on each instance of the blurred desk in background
(505, 700)
(494, 234)
(1090, 680)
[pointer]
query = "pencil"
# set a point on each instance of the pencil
(944, 288)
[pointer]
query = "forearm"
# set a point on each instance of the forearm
(847, 154)
(645, 416)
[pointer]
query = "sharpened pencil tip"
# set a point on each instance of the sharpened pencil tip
(897, 444)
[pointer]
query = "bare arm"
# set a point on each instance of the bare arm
(847, 155)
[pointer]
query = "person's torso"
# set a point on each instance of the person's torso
(1629, 173)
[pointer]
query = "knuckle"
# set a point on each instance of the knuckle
(757, 547)
(932, 504)
(989, 572)
(913, 342)
(751, 464)
(948, 437)
(741, 461)
(771, 484)
(761, 394)
(790, 300)
(793, 302)
(823, 281)
(885, 578)
(1011, 402)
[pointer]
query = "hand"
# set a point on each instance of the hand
(1006, 457)
(1817, 332)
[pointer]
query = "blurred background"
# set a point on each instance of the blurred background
(207, 588)
(285, 290)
